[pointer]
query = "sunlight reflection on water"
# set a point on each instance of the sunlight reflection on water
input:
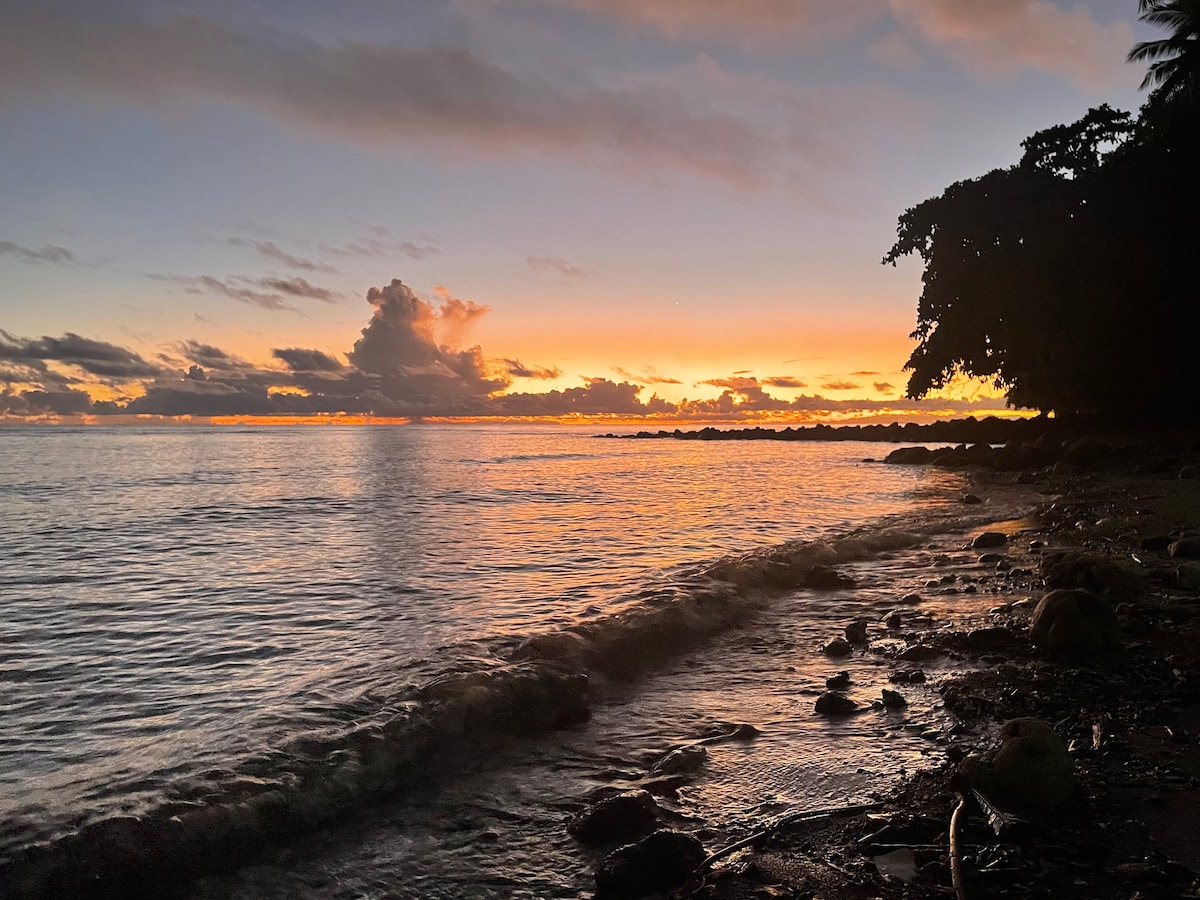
(176, 599)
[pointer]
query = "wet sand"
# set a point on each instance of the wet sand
(1130, 827)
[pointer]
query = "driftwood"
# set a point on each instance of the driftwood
(957, 876)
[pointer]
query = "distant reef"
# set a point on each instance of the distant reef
(989, 430)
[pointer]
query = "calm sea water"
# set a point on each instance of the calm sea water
(177, 602)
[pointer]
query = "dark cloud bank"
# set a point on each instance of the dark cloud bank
(407, 363)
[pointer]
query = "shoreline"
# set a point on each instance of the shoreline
(1131, 825)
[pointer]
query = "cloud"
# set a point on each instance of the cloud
(408, 362)
(991, 36)
(265, 293)
(99, 358)
(650, 377)
(382, 246)
(1006, 37)
(883, 387)
(55, 255)
(299, 360)
(400, 345)
(435, 99)
(599, 396)
(840, 386)
(208, 356)
(784, 381)
(555, 265)
(271, 251)
(895, 50)
(758, 19)
(517, 369)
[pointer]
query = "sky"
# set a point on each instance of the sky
(672, 209)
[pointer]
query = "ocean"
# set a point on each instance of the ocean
(328, 662)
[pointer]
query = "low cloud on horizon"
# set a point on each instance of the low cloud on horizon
(409, 362)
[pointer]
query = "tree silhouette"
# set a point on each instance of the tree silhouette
(1066, 277)
(1174, 72)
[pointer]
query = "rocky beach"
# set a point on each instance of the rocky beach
(1069, 767)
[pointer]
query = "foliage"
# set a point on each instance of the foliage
(1174, 71)
(1068, 277)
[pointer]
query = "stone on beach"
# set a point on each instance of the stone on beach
(838, 682)
(1030, 772)
(681, 761)
(835, 703)
(989, 539)
(1074, 623)
(856, 631)
(656, 864)
(837, 647)
(625, 817)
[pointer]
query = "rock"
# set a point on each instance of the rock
(856, 631)
(1035, 546)
(1100, 574)
(893, 699)
(910, 456)
(912, 598)
(894, 621)
(919, 653)
(1074, 623)
(988, 638)
(835, 703)
(988, 559)
(838, 682)
(971, 499)
(620, 819)
(1189, 472)
(1185, 548)
(837, 647)
(906, 676)
(1157, 543)
(1029, 773)
(989, 539)
(656, 864)
(681, 761)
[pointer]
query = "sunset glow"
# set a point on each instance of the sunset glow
(666, 213)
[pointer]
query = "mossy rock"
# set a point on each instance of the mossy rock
(1074, 623)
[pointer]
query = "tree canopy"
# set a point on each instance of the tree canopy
(1069, 279)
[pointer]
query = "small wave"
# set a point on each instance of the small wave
(395, 740)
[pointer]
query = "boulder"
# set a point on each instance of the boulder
(971, 499)
(657, 864)
(893, 699)
(616, 820)
(1029, 773)
(1075, 623)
